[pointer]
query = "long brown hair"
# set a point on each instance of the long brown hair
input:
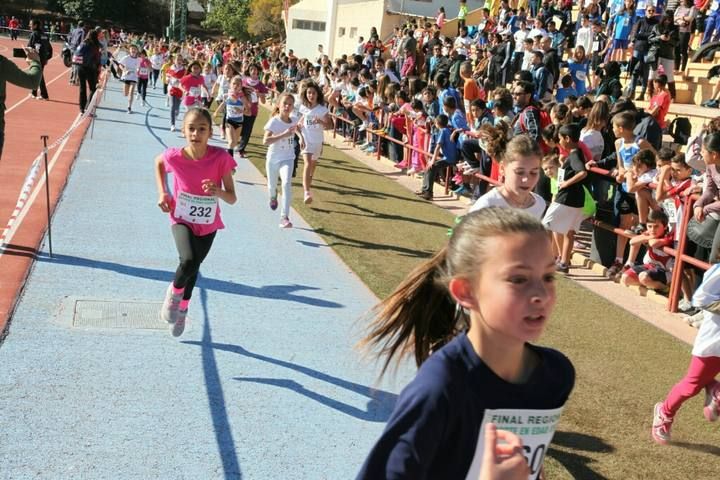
(421, 316)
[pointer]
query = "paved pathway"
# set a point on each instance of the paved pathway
(266, 383)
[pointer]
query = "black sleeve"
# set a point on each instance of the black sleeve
(608, 162)
(576, 160)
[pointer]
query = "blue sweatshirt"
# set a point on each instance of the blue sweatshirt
(433, 431)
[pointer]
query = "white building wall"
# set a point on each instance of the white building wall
(354, 20)
(304, 42)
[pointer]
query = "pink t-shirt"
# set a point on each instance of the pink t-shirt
(144, 68)
(260, 89)
(193, 89)
(188, 176)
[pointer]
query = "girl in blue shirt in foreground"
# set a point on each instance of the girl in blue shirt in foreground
(468, 315)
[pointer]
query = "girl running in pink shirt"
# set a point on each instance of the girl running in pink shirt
(202, 174)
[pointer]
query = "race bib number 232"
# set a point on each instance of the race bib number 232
(535, 427)
(197, 209)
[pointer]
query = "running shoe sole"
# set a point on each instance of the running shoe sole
(659, 421)
(178, 327)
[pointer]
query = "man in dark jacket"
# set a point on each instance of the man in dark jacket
(638, 68)
(40, 41)
(9, 72)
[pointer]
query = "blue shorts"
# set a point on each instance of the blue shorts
(623, 44)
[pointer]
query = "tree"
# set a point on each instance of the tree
(230, 16)
(266, 18)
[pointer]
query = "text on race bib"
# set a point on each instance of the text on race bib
(561, 175)
(535, 427)
(235, 111)
(197, 209)
(669, 207)
(144, 71)
(194, 92)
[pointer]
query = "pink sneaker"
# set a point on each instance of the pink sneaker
(712, 402)
(285, 223)
(661, 426)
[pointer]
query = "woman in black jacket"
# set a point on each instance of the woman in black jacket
(663, 38)
(87, 59)
(638, 67)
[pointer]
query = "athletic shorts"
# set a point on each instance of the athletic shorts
(233, 123)
(314, 149)
(655, 272)
(624, 203)
(620, 44)
(561, 219)
(129, 82)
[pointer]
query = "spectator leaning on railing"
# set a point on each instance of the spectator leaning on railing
(9, 72)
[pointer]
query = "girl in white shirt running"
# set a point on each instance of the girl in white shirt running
(280, 137)
(315, 118)
(129, 66)
(520, 162)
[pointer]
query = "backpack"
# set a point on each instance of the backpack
(545, 120)
(680, 129)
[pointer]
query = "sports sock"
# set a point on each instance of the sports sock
(184, 304)
(177, 291)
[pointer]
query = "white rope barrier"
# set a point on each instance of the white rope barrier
(32, 174)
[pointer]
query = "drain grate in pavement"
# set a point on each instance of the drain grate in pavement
(117, 314)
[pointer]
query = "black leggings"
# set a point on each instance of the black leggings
(192, 251)
(142, 87)
(154, 77)
(248, 123)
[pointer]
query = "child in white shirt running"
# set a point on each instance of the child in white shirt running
(280, 139)
(314, 120)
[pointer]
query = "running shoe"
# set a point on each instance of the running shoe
(285, 223)
(129, 110)
(178, 327)
(412, 171)
(171, 306)
(307, 198)
(712, 402)
(370, 149)
(561, 267)
(661, 426)
(638, 229)
(614, 269)
(273, 203)
(172, 127)
(686, 307)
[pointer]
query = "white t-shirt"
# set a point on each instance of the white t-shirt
(520, 37)
(312, 125)
(494, 199)
(282, 149)
(156, 61)
(223, 84)
(707, 341)
(462, 44)
(537, 31)
(130, 66)
(595, 142)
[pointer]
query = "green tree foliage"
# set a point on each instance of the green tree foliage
(230, 16)
(266, 18)
(141, 13)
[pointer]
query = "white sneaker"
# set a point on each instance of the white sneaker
(178, 327)
(285, 223)
(172, 127)
(695, 320)
(171, 306)
(307, 198)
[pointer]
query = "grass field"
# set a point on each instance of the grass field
(624, 365)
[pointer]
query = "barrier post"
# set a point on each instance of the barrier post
(47, 192)
(378, 147)
(676, 281)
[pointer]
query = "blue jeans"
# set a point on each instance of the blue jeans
(712, 24)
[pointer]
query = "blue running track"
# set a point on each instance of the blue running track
(265, 384)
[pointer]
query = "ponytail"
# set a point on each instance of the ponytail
(417, 318)
(421, 316)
